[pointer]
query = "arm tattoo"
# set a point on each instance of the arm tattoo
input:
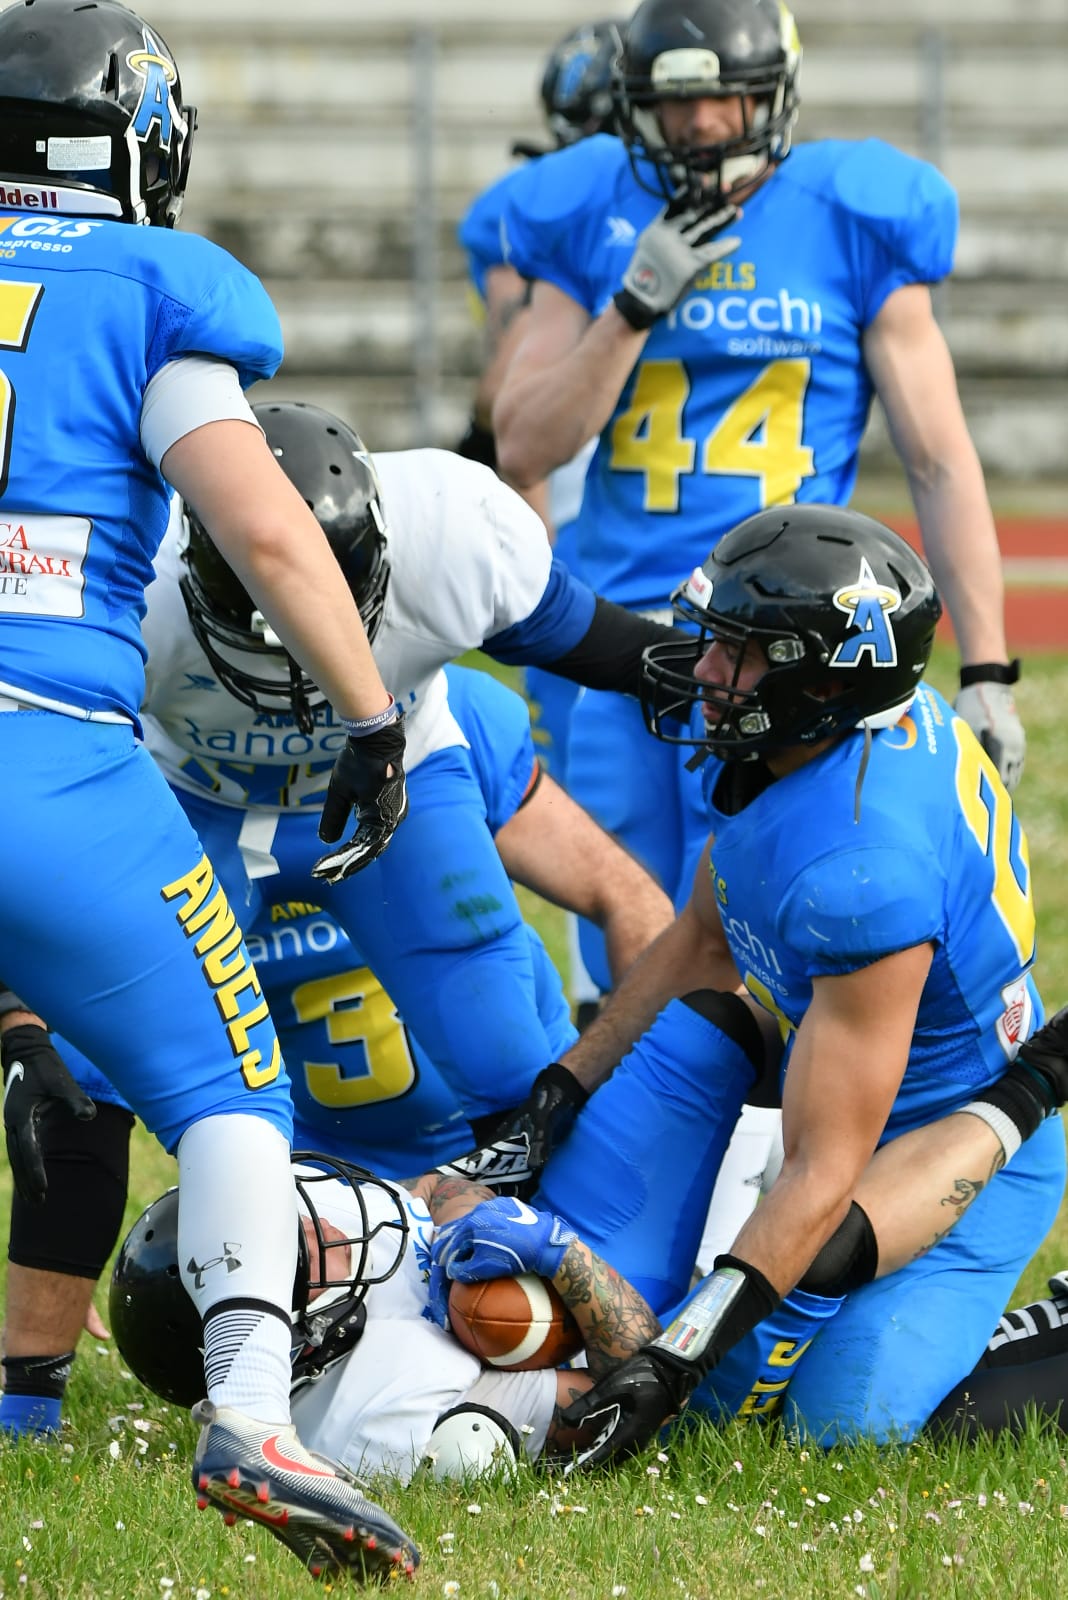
(964, 1192)
(614, 1319)
(437, 1189)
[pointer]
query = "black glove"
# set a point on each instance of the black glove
(630, 1405)
(36, 1086)
(368, 775)
(675, 248)
(526, 1137)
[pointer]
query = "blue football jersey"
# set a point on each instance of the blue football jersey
(479, 232)
(82, 509)
(806, 889)
(753, 391)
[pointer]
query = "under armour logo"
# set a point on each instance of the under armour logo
(620, 230)
(228, 1259)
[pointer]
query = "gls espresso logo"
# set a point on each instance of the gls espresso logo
(38, 227)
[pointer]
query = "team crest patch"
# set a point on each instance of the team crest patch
(156, 106)
(869, 605)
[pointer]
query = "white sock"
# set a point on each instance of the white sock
(737, 1188)
(237, 1244)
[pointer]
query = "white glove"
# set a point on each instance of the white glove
(679, 243)
(989, 709)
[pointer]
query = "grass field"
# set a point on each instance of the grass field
(108, 1511)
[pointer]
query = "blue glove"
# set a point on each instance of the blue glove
(437, 1294)
(500, 1239)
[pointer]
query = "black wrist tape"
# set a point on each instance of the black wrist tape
(990, 672)
(633, 312)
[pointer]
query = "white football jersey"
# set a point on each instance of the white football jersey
(468, 559)
(375, 1409)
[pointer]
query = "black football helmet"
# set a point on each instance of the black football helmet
(332, 469)
(577, 84)
(844, 610)
(697, 49)
(91, 110)
(155, 1323)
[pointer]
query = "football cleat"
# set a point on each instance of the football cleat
(262, 1471)
(1033, 1332)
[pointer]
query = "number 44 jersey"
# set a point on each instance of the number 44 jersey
(753, 391)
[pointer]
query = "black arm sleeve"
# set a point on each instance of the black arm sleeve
(609, 654)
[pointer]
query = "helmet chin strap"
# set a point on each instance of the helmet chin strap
(870, 725)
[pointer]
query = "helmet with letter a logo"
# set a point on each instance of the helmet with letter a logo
(843, 609)
(91, 115)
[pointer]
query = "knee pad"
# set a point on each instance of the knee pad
(78, 1225)
(472, 1441)
(730, 1014)
(848, 1259)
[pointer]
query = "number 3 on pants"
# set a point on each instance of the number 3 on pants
(18, 307)
(759, 436)
(363, 1026)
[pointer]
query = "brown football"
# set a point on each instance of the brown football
(520, 1324)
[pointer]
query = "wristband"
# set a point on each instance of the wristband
(634, 314)
(357, 727)
(728, 1305)
(1002, 1126)
(990, 672)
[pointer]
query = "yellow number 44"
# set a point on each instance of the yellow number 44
(759, 436)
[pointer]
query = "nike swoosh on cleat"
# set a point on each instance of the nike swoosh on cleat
(275, 1457)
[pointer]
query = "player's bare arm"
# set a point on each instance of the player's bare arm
(845, 1071)
(562, 384)
(556, 849)
(615, 1322)
(917, 1188)
(911, 367)
(614, 1318)
(447, 1197)
(690, 954)
(507, 297)
(227, 473)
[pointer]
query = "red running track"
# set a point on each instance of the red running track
(1035, 552)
